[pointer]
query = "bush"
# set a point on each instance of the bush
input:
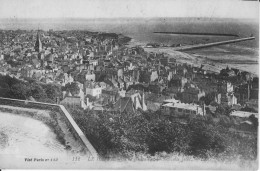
(167, 136)
(204, 138)
(18, 89)
(115, 134)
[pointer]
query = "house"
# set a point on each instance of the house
(64, 78)
(228, 99)
(92, 88)
(128, 81)
(226, 91)
(49, 58)
(74, 101)
(90, 76)
(36, 63)
(120, 73)
(243, 114)
(227, 72)
(242, 92)
(136, 75)
(111, 94)
(85, 75)
(225, 87)
(26, 72)
(153, 101)
(254, 88)
(1, 57)
(121, 83)
(37, 74)
(170, 101)
(93, 62)
(177, 109)
(171, 60)
(130, 104)
(192, 95)
(114, 82)
(164, 61)
(107, 62)
(177, 81)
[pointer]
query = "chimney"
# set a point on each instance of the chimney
(248, 92)
(143, 103)
(87, 101)
(204, 111)
(57, 100)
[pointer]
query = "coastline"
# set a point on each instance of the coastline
(197, 59)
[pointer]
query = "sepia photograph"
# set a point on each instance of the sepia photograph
(129, 84)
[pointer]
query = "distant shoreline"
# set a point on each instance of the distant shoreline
(197, 33)
(135, 18)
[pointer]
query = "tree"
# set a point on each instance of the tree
(19, 91)
(254, 120)
(223, 110)
(204, 138)
(166, 136)
(52, 91)
(249, 109)
(73, 88)
(38, 92)
(10, 81)
(210, 97)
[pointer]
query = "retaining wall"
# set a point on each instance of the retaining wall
(57, 108)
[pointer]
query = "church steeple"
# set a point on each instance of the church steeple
(38, 43)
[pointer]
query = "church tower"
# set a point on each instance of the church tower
(38, 43)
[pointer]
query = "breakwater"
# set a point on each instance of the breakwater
(197, 33)
(200, 46)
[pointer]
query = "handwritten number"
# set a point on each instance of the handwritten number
(76, 159)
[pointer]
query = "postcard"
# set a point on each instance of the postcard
(120, 84)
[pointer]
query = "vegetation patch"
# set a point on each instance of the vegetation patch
(120, 136)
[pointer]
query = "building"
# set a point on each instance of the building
(153, 76)
(178, 109)
(92, 88)
(228, 99)
(242, 92)
(177, 81)
(254, 91)
(130, 104)
(192, 95)
(243, 114)
(38, 44)
(76, 101)
(90, 76)
(164, 61)
(225, 87)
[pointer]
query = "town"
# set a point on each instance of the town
(94, 71)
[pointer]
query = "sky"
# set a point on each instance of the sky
(128, 8)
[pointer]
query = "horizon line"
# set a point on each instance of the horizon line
(234, 18)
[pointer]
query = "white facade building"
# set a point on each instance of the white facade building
(175, 108)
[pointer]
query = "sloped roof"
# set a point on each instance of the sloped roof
(91, 85)
(49, 57)
(108, 82)
(35, 61)
(124, 103)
